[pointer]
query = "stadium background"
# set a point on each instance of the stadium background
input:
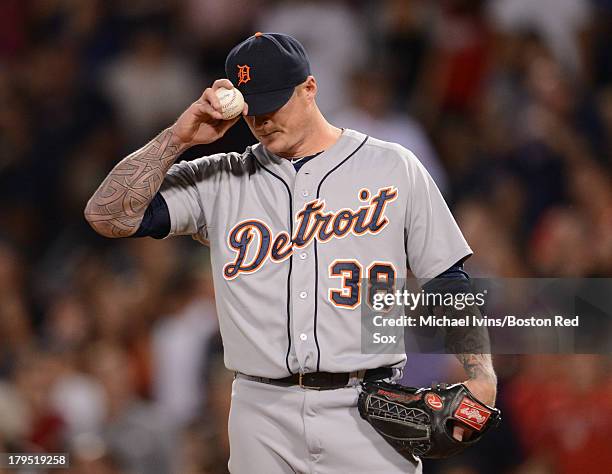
(109, 349)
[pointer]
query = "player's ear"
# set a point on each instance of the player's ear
(309, 87)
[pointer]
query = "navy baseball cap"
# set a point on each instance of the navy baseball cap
(266, 67)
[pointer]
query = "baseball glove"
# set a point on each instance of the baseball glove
(419, 421)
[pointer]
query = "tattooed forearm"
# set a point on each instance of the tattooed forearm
(117, 207)
(470, 344)
(472, 347)
(478, 366)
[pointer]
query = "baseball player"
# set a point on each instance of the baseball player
(294, 223)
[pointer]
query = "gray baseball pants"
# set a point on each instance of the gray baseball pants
(276, 430)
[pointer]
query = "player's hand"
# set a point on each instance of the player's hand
(202, 122)
(484, 390)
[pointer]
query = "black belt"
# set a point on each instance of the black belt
(325, 380)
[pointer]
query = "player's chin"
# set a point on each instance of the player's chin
(273, 142)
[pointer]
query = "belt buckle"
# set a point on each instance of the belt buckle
(301, 383)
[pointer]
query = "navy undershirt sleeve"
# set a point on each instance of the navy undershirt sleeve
(156, 220)
(455, 279)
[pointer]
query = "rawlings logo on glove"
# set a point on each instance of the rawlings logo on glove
(418, 421)
(473, 415)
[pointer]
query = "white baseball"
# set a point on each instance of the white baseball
(232, 102)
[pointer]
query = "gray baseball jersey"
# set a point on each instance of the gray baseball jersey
(289, 249)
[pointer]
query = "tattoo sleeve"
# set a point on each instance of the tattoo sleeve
(470, 344)
(471, 347)
(117, 207)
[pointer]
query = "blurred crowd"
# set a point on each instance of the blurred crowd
(110, 349)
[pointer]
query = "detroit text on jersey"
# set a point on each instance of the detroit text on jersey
(313, 222)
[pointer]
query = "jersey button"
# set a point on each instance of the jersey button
(303, 295)
(303, 255)
(305, 193)
(303, 337)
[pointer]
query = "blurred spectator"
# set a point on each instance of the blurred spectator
(496, 256)
(209, 22)
(67, 325)
(373, 113)
(179, 346)
(334, 38)
(401, 38)
(568, 431)
(16, 332)
(80, 401)
(456, 63)
(136, 433)
(33, 376)
(150, 85)
(561, 23)
(214, 32)
(559, 233)
(14, 418)
(63, 110)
